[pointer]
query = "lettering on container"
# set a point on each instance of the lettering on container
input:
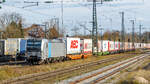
(74, 44)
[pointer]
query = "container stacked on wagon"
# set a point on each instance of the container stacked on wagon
(54, 50)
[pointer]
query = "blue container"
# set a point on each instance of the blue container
(22, 46)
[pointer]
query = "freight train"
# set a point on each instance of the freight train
(46, 51)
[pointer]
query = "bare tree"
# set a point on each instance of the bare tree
(53, 33)
(53, 30)
(11, 25)
(7, 18)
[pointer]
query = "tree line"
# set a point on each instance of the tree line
(11, 26)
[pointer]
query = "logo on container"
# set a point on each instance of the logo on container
(86, 45)
(74, 44)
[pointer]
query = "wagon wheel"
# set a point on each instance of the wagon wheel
(40, 62)
(82, 57)
(47, 61)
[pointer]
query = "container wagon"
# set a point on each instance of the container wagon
(137, 45)
(130, 46)
(111, 47)
(3, 58)
(100, 47)
(86, 47)
(73, 48)
(145, 45)
(121, 47)
(116, 45)
(106, 47)
(15, 47)
(148, 45)
(126, 46)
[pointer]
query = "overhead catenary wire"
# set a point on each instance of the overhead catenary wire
(44, 14)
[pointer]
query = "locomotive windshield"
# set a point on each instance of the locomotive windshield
(34, 45)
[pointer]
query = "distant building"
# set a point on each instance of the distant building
(34, 31)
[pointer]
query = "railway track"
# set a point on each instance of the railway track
(13, 63)
(100, 76)
(6, 60)
(47, 75)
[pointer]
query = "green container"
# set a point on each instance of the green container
(0, 7)
(4, 0)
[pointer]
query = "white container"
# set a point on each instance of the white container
(126, 46)
(136, 45)
(116, 45)
(11, 46)
(14, 46)
(130, 45)
(139, 45)
(56, 49)
(87, 46)
(105, 45)
(142, 45)
(100, 48)
(145, 45)
(148, 45)
(111, 46)
(100, 44)
(82, 45)
(73, 45)
(121, 46)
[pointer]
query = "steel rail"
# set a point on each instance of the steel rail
(105, 70)
(41, 76)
